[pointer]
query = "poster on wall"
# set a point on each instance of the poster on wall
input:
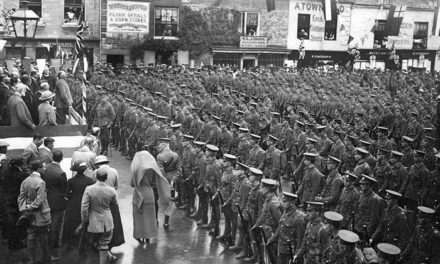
(128, 17)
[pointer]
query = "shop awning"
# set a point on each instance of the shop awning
(234, 49)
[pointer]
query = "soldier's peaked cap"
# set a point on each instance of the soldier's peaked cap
(273, 138)
(189, 137)
(426, 210)
(352, 175)
(396, 153)
(255, 136)
(212, 148)
(255, 171)
(367, 179)
(331, 158)
(333, 216)
(406, 138)
(362, 151)
(348, 236)
(176, 125)
(393, 194)
(313, 203)
(290, 195)
(269, 182)
(229, 156)
(166, 140)
(199, 143)
(309, 155)
(388, 249)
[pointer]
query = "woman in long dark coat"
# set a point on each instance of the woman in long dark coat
(74, 193)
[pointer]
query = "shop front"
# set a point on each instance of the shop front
(48, 49)
(251, 52)
(416, 60)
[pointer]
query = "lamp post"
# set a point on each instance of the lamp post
(24, 22)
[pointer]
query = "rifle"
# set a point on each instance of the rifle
(220, 197)
(267, 251)
(352, 221)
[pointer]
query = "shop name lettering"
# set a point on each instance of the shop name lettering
(130, 17)
(308, 6)
(128, 7)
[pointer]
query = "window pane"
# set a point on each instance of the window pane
(303, 26)
(252, 19)
(166, 21)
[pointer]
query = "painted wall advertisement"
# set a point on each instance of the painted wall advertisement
(317, 37)
(128, 17)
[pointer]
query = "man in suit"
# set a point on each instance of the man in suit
(18, 111)
(45, 152)
(31, 152)
(96, 214)
(56, 182)
(63, 98)
(101, 162)
(33, 198)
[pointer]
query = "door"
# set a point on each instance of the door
(248, 63)
(115, 59)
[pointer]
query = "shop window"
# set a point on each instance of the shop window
(13, 53)
(166, 21)
(380, 36)
(43, 53)
(420, 38)
(271, 60)
(225, 59)
(303, 26)
(250, 23)
(72, 12)
(331, 29)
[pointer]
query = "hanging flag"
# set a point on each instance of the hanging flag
(270, 5)
(350, 39)
(329, 7)
(434, 24)
(394, 20)
(2, 44)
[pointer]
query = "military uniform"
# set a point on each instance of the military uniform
(332, 190)
(226, 189)
(310, 185)
(290, 233)
(369, 212)
(393, 227)
(314, 242)
(272, 163)
(415, 186)
(105, 116)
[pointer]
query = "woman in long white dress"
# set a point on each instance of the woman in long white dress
(146, 175)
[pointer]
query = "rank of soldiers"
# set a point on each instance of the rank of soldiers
(360, 162)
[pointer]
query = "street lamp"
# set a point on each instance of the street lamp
(24, 22)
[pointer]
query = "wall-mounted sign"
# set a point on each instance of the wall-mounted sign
(253, 42)
(128, 17)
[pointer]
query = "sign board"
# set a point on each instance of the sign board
(253, 42)
(128, 17)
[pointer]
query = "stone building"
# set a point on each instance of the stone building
(56, 32)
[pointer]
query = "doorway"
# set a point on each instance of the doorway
(115, 59)
(248, 63)
(168, 57)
